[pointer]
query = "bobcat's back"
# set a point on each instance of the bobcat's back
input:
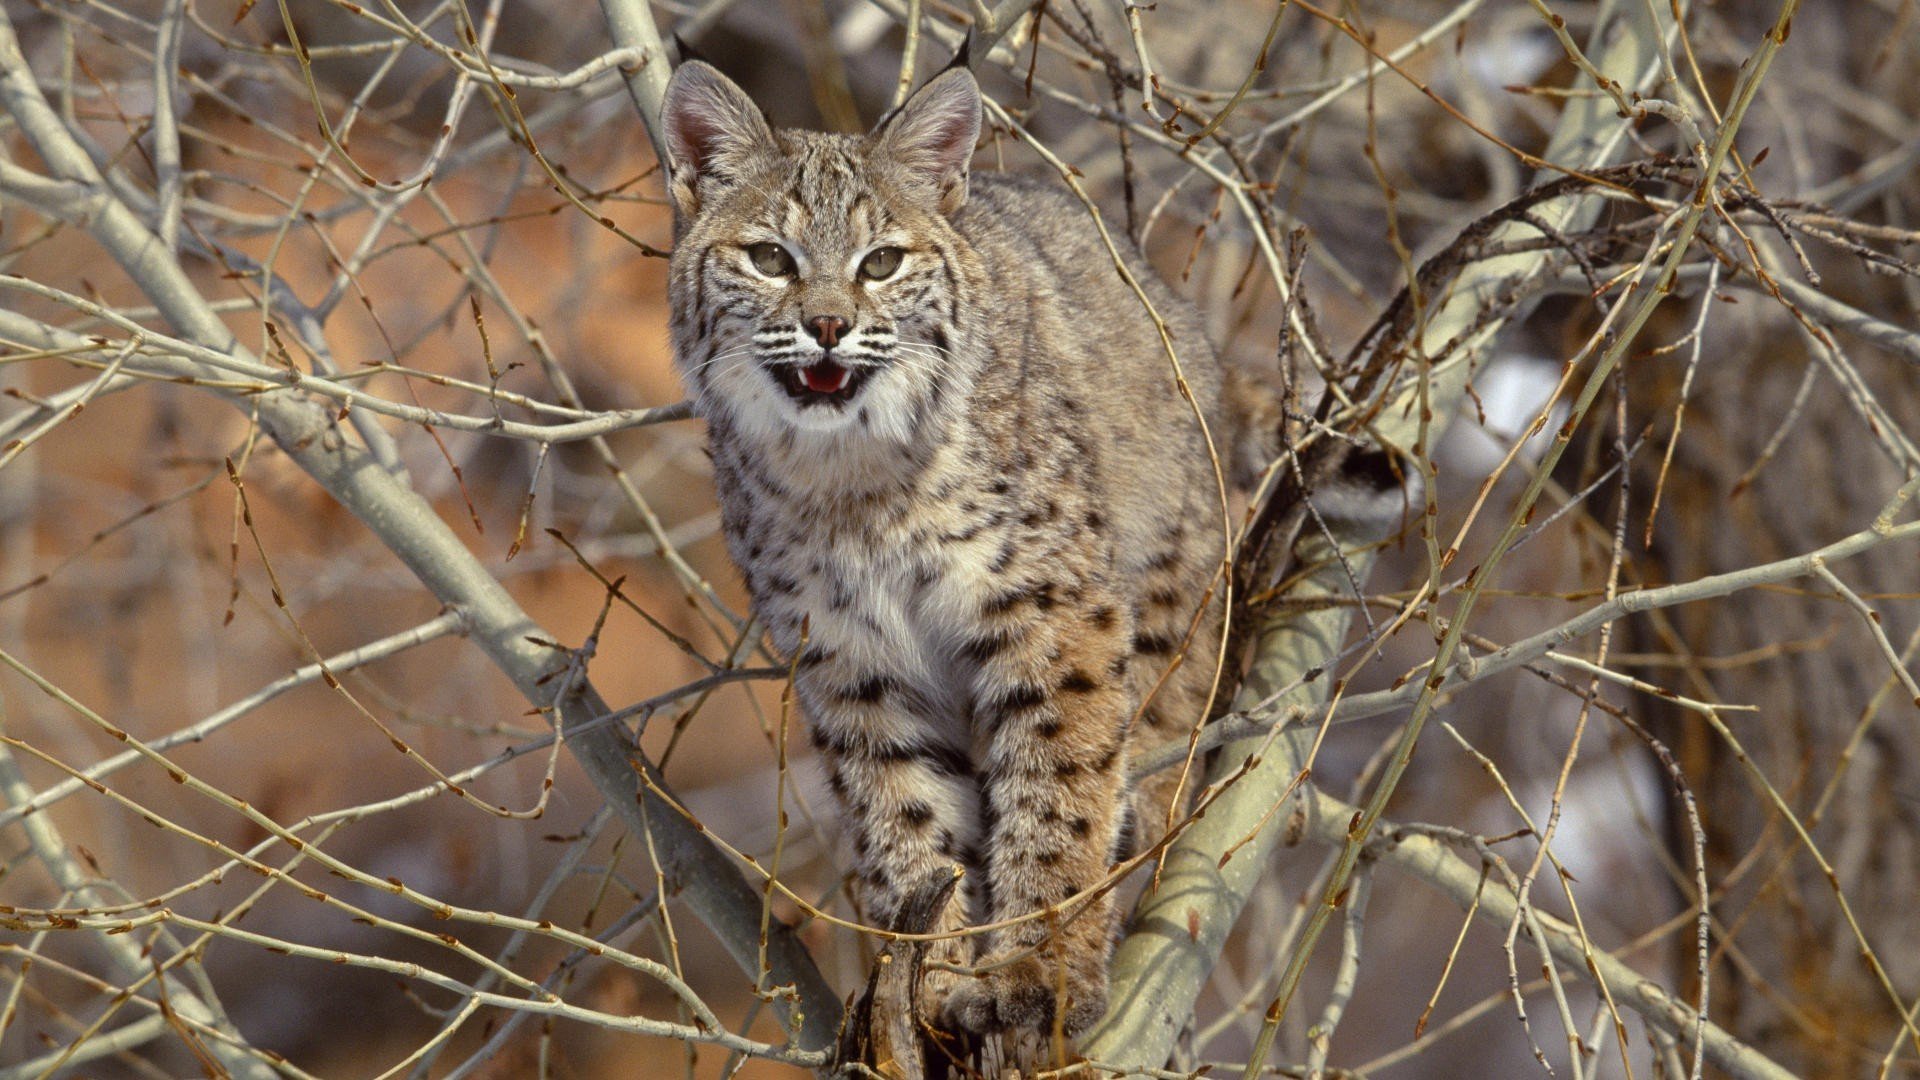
(1093, 367)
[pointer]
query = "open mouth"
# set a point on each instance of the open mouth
(822, 382)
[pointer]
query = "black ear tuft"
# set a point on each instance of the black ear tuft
(962, 57)
(683, 51)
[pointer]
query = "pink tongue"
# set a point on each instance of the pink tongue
(825, 377)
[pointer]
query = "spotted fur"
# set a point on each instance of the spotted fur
(989, 553)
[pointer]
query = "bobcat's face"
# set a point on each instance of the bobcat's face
(814, 277)
(818, 299)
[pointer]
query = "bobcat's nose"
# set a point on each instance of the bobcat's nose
(827, 329)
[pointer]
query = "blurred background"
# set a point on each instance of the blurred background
(161, 563)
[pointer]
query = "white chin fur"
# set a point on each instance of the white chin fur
(761, 410)
(823, 418)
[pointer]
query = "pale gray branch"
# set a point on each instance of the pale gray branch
(631, 27)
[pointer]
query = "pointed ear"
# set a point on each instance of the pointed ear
(932, 135)
(711, 126)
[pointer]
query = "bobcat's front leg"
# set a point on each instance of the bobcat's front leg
(907, 792)
(1052, 704)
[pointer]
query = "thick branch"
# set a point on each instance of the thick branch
(631, 27)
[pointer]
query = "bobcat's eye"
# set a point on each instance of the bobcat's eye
(880, 263)
(770, 259)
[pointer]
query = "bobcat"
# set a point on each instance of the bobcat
(963, 485)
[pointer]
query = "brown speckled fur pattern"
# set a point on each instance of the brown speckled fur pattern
(987, 557)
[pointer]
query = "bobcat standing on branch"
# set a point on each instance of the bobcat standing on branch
(962, 483)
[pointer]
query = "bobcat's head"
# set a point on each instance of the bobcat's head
(817, 278)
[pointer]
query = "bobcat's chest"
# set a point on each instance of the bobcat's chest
(895, 587)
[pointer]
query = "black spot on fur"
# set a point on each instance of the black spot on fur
(1004, 559)
(1017, 698)
(1040, 596)
(987, 646)
(1165, 597)
(840, 594)
(1077, 681)
(1041, 515)
(1126, 838)
(948, 760)
(965, 534)
(1004, 602)
(1159, 644)
(869, 691)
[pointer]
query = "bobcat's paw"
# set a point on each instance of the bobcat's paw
(933, 997)
(1024, 995)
